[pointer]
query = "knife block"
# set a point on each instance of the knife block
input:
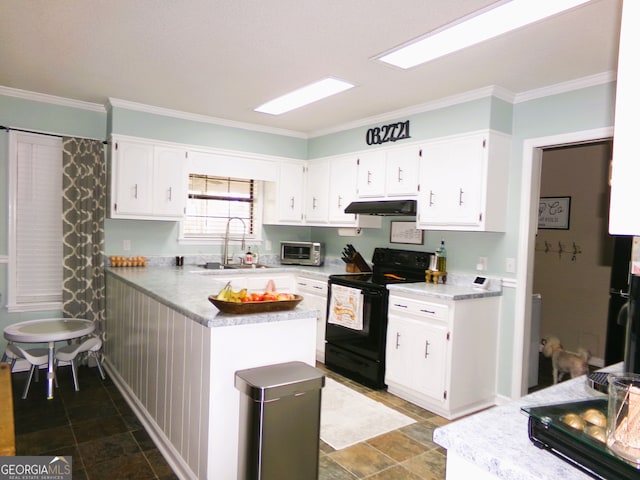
(351, 268)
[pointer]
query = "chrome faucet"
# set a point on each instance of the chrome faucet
(225, 253)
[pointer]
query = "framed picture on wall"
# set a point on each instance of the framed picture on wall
(406, 232)
(554, 213)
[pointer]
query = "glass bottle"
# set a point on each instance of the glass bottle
(441, 256)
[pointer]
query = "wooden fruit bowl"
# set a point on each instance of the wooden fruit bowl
(255, 307)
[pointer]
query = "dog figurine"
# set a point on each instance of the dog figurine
(563, 361)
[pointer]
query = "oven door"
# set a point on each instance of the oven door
(370, 341)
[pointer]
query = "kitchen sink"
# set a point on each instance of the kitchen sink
(232, 266)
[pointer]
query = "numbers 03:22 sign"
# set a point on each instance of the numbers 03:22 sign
(388, 133)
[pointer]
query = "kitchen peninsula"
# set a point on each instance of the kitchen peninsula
(173, 356)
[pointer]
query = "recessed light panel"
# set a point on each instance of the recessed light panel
(304, 96)
(503, 18)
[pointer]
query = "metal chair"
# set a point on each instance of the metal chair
(35, 356)
(69, 353)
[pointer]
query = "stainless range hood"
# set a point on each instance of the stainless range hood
(383, 207)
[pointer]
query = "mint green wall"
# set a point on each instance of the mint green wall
(465, 117)
(190, 132)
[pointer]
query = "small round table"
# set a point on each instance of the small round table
(49, 331)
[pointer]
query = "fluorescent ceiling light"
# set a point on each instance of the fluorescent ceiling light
(476, 28)
(304, 96)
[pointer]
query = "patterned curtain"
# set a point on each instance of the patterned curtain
(83, 213)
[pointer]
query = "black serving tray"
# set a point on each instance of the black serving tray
(548, 431)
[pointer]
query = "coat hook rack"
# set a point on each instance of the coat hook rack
(561, 249)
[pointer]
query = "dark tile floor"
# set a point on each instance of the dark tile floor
(99, 430)
(95, 426)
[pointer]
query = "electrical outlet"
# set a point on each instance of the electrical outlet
(510, 266)
(482, 264)
(126, 245)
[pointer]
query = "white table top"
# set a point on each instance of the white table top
(48, 330)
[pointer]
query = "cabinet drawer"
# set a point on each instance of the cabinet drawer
(317, 287)
(433, 311)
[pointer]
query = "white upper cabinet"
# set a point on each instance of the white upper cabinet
(463, 183)
(626, 167)
(402, 171)
(388, 173)
(169, 182)
(342, 189)
(316, 194)
(147, 181)
(284, 198)
(371, 174)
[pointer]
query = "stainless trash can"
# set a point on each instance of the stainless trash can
(279, 437)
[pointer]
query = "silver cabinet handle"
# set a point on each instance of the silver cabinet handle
(460, 201)
(399, 175)
(432, 312)
(135, 191)
(397, 340)
(314, 203)
(431, 195)
(339, 201)
(170, 192)
(426, 348)
(368, 177)
(293, 202)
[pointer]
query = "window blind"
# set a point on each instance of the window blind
(36, 250)
(213, 201)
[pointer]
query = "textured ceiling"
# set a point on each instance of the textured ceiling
(223, 58)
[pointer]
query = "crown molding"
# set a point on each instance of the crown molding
(495, 91)
(564, 87)
(471, 95)
(196, 117)
(52, 99)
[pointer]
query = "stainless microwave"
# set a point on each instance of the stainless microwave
(302, 253)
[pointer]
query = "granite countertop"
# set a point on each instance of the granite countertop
(458, 287)
(186, 290)
(497, 441)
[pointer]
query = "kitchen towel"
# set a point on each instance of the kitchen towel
(348, 417)
(345, 308)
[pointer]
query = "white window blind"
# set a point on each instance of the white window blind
(35, 248)
(213, 201)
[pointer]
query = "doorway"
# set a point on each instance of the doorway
(529, 202)
(573, 250)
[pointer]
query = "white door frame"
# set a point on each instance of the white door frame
(529, 196)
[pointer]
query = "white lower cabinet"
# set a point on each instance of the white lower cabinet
(315, 298)
(441, 354)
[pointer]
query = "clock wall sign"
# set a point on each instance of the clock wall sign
(391, 132)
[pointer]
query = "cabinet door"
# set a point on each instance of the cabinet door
(133, 168)
(343, 189)
(371, 174)
(402, 171)
(398, 353)
(290, 192)
(451, 182)
(316, 198)
(430, 355)
(416, 355)
(169, 182)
